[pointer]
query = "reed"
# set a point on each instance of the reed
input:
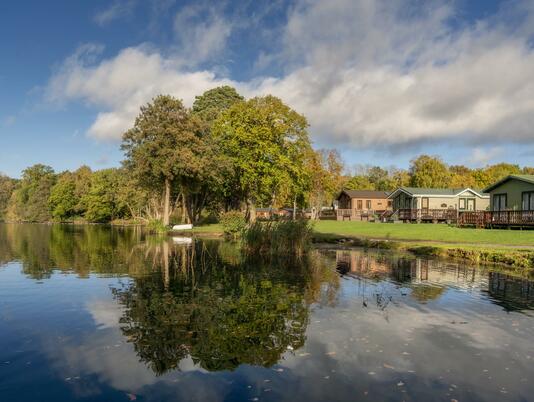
(281, 238)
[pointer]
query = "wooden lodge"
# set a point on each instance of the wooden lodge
(358, 205)
(435, 205)
(511, 204)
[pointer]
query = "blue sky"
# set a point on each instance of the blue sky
(380, 81)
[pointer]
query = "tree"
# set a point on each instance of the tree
(163, 148)
(101, 201)
(430, 172)
(29, 202)
(359, 182)
(68, 194)
(493, 173)
(325, 169)
(213, 102)
(379, 177)
(7, 186)
(266, 143)
(209, 191)
(461, 176)
(62, 200)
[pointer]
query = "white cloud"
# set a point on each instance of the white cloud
(201, 32)
(482, 156)
(365, 73)
(122, 84)
(118, 9)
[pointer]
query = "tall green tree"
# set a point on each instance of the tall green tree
(68, 195)
(209, 191)
(213, 102)
(163, 148)
(101, 200)
(266, 143)
(430, 172)
(325, 169)
(490, 174)
(62, 200)
(7, 186)
(29, 202)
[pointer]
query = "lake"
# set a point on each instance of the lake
(92, 313)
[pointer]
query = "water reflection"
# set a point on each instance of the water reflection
(111, 314)
(223, 313)
(428, 279)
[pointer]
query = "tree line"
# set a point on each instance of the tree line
(224, 153)
(427, 171)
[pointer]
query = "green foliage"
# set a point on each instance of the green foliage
(7, 186)
(278, 238)
(156, 226)
(266, 143)
(62, 200)
(29, 201)
(233, 223)
(213, 102)
(325, 172)
(360, 182)
(429, 172)
(164, 147)
(102, 205)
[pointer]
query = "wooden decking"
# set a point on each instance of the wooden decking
(428, 215)
(481, 219)
(357, 215)
(496, 218)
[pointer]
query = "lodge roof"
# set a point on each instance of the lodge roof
(528, 178)
(436, 192)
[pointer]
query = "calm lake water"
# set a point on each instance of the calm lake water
(97, 314)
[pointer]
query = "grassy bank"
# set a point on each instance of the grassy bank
(517, 258)
(426, 232)
(506, 247)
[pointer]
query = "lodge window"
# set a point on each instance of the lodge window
(390, 203)
(368, 204)
(424, 203)
(527, 201)
(467, 204)
(499, 202)
(360, 204)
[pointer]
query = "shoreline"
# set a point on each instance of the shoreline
(512, 256)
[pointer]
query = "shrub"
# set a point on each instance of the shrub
(284, 237)
(233, 223)
(156, 226)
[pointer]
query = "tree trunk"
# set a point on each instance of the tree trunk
(251, 211)
(295, 208)
(184, 211)
(166, 208)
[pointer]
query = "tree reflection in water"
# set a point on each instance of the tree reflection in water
(205, 302)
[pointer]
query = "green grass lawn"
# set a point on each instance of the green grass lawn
(423, 232)
(426, 232)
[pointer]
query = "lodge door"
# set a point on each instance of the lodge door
(424, 204)
(470, 204)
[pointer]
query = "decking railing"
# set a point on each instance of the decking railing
(351, 214)
(497, 218)
(427, 215)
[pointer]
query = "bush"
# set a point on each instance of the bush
(284, 237)
(156, 226)
(233, 223)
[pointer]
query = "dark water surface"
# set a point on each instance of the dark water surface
(97, 314)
